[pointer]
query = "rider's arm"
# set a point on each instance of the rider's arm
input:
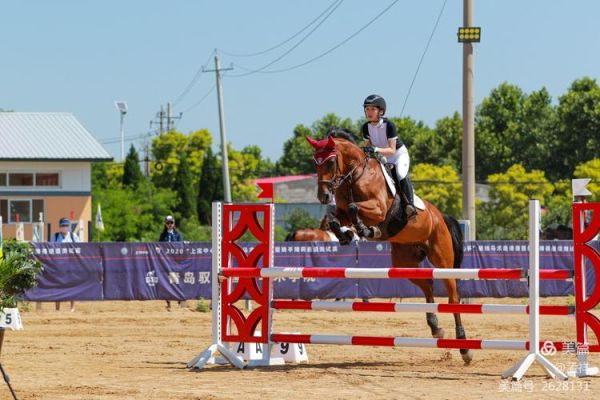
(387, 151)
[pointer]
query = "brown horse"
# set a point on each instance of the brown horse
(321, 234)
(356, 180)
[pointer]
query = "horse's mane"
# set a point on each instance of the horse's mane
(342, 133)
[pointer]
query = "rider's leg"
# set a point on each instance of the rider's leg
(402, 164)
(407, 189)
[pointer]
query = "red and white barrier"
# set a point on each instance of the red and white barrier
(390, 273)
(231, 325)
(417, 307)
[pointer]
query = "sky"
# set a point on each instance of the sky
(80, 56)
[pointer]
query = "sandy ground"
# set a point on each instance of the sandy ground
(138, 350)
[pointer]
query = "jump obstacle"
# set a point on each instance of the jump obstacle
(231, 221)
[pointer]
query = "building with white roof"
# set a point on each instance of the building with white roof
(45, 167)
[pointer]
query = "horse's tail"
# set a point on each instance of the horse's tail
(457, 239)
(291, 236)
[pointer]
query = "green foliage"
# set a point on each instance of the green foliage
(210, 186)
(301, 219)
(18, 272)
(245, 166)
(132, 174)
(512, 127)
(132, 214)
(577, 138)
(203, 305)
(505, 216)
(298, 154)
(186, 199)
(167, 150)
(439, 185)
(590, 169)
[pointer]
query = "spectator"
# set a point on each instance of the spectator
(170, 234)
(64, 235)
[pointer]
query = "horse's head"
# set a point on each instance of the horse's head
(325, 160)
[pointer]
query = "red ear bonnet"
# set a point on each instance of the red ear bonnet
(324, 149)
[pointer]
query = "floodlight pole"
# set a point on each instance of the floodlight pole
(468, 144)
(122, 136)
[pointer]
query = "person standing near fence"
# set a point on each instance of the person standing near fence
(64, 235)
(170, 234)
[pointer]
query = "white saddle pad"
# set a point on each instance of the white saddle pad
(390, 184)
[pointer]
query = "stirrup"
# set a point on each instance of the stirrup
(411, 212)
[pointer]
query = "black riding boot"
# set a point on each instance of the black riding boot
(407, 190)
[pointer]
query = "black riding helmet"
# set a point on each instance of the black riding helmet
(375, 100)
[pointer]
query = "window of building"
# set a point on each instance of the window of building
(46, 179)
(28, 210)
(20, 179)
(20, 211)
(4, 211)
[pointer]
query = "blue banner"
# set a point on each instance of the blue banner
(182, 270)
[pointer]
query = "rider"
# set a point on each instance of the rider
(381, 134)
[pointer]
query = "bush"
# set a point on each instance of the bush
(18, 272)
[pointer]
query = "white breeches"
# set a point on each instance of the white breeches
(401, 160)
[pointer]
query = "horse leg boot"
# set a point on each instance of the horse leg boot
(407, 191)
(361, 229)
(426, 287)
(336, 226)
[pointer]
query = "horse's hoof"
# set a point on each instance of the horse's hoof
(439, 334)
(344, 241)
(467, 356)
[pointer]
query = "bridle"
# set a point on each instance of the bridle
(339, 178)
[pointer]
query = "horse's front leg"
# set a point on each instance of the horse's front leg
(373, 210)
(335, 225)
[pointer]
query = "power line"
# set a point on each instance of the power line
(200, 101)
(250, 71)
(423, 57)
(127, 139)
(285, 41)
(193, 82)
(324, 53)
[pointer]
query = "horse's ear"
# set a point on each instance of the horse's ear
(330, 142)
(312, 142)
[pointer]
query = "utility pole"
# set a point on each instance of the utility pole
(217, 70)
(468, 144)
(165, 119)
(161, 115)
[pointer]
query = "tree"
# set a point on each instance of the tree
(210, 186)
(590, 169)
(297, 158)
(301, 219)
(186, 199)
(513, 128)
(167, 150)
(505, 216)
(578, 134)
(132, 174)
(440, 185)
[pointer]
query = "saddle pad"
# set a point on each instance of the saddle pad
(390, 184)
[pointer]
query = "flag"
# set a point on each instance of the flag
(36, 233)
(99, 222)
(267, 190)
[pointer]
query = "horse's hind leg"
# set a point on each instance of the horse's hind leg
(454, 298)
(426, 286)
